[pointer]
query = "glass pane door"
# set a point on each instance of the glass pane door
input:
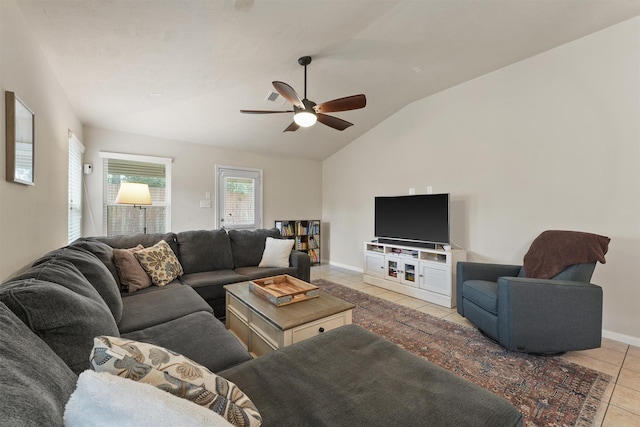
(392, 268)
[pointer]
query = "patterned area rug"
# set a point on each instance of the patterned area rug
(547, 390)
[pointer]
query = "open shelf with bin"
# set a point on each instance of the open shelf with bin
(305, 233)
(426, 274)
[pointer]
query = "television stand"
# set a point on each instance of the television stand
(425, 273)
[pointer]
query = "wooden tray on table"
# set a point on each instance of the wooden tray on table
(284, 289)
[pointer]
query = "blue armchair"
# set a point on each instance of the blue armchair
(534, 315)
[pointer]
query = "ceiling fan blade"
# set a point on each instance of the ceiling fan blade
(333, 122)
(288, 93)
(264, 111)
(342, 104)
(292, 127)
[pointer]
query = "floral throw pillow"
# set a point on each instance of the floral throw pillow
(160, 263)
(176, 374)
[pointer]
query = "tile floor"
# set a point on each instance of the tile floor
(621, 361)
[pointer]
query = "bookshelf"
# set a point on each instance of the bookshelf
(306, 234)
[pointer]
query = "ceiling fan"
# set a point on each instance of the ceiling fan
(306, 112)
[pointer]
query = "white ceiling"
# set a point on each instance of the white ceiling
(210, 58)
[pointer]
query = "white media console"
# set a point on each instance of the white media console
(426, 274)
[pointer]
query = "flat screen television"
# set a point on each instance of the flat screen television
(421, 218)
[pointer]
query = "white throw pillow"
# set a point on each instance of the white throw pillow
(102, 399)
(276, 252)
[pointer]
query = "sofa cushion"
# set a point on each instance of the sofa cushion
(252, 273)
(132, 275)
(204, 250)
(214, 347)
(63, 273)
(102, 399)
(483, 293)
(160, 263)
(210, 284)
(35, 382)
(94, 270)
(176, 283)
(176, 374)
(153, 308)
(65, 320)
(276, 252)
(247, 246)
(102, 251)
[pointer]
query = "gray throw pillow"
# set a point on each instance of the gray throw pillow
(35, 383)
(65, 320)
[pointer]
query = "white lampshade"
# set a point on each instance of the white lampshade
(305, 119)
(131, 193)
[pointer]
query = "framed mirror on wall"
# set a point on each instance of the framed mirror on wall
(20, 140)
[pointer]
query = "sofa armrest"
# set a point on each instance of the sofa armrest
(530, 310)
(302, 263)
(480, 271)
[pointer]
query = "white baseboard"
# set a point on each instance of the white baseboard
(627, 339)
(348, 267)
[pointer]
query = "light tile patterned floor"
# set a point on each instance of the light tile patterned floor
(622, 361)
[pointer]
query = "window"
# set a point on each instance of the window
(239, 197)
(76, 149)
(128, 219)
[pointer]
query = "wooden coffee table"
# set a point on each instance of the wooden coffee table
(263, 327)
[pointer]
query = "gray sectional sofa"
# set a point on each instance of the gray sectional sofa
(50, 314)
(75, 291)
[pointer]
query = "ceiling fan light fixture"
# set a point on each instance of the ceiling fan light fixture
(305, 118)
(305, 112)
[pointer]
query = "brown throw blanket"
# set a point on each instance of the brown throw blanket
(553, 251)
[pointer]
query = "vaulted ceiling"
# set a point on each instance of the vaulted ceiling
(182, 69)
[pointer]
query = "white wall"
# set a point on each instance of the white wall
(292, 188)
(552, 142)
(33, 220)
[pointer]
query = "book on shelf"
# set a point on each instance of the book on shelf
(301, 229)
(313, 254)
(287, 230)
(314, 227)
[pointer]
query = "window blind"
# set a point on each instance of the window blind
(133, 168)
(239, 201)
(74, 228)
